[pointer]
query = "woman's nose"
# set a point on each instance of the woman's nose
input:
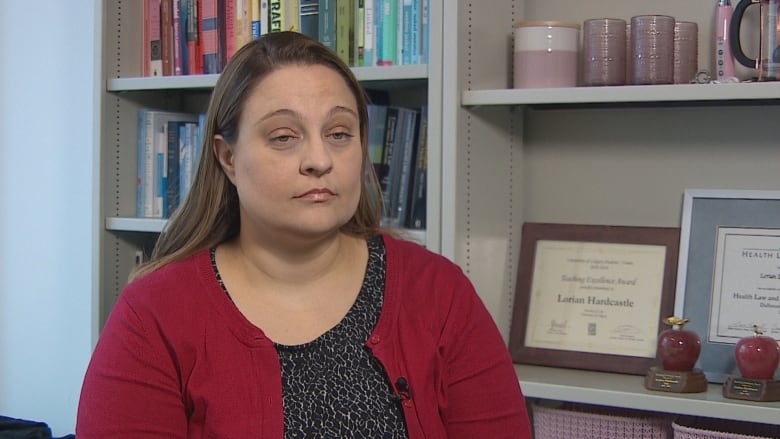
(316, 159)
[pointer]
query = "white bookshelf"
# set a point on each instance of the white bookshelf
(620, 155)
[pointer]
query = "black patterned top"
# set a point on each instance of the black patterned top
(333, 387)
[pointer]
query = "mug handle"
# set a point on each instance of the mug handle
(734, 41)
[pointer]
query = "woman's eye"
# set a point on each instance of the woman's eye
(341, 135)
(282, 139)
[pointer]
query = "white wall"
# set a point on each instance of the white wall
(49, 101)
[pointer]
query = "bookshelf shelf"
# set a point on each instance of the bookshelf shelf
(687, 94)
(205, 82)
(156, 225)
(620, 390)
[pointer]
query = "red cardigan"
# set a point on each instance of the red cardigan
(177, 359)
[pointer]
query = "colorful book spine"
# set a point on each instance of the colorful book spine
(404, 172)
(385, 179)
(256, 17)
(141, 180)
(368, 33)
(377, 117)
(209, 36)
(424, 32)
(166, 32)
(243, 23)
(309, 18)
(194, 57)
(265, 17)
(228, 29)
(359, 32)
(172, 188)
(414, 33)
(389, 24)
(153, 38)
(418, 198)
(408, 51)
(327, 23)
(275, 15)
(344, 25)
(291, 15)
(160, 171)
(178, 39)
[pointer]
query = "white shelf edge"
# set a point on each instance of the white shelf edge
(156, 225)
(128, 224)
(365, 74)
(161, 83)
(624, 94)
(620, 390)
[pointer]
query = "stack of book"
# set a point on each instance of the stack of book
(192, 37)
(168, 151)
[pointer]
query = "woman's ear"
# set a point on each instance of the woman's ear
(223, 151)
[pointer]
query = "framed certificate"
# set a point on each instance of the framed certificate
(593, 297)
(729, 271)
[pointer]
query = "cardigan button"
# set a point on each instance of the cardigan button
(374, 339)
(407, 403)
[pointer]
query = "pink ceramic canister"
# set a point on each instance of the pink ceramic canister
(546, 54)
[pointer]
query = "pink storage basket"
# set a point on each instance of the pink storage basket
(709, 428)
(579, 421)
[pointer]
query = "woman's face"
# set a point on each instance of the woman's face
(297, 163)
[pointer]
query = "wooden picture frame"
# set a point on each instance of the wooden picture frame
(576, 307)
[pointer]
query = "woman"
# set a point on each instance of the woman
(274, 306)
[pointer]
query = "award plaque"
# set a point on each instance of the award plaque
(757, 359)
(678, 350)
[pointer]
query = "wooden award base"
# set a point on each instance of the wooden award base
(675, 381)
(751, 389)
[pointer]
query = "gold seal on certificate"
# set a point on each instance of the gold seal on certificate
(678, 350)
(757, 358)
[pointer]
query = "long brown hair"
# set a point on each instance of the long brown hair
(209, 214)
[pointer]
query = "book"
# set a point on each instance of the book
(152, 39)
(166, 36)
(424, 31)
(399, 165)
(408, 51)
(256, 18)
(172, 162)
(377, 117)
(368, 33)
(418, 196)
(179, 40)
(308, 18)
(243, 23)
(228, 29)
(389, 28)
(188, 158)
(194, 57)
(344, 30)
(327, 23)
(291, 15)
(152, 155)
(264, 17)
(208, 36)
(275, 15)
(408, 143)
(383, 173)
(359, 33)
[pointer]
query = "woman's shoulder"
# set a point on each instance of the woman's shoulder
(410, 253)
(167, 283)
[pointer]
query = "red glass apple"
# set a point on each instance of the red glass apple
(757, 356)
(678, 348)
